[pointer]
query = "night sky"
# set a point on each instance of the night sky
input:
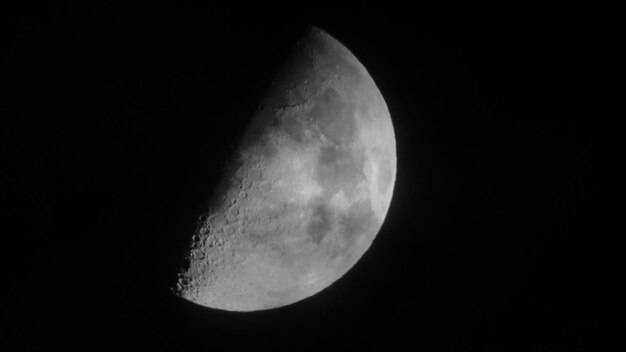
(117, 121)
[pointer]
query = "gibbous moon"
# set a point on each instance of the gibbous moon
(307, 191)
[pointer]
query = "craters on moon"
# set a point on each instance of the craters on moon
(240, 221)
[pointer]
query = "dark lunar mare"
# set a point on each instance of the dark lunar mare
(320, 223)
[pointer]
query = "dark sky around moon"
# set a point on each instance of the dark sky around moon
(117, 120)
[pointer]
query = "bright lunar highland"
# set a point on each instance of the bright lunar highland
(307, 191)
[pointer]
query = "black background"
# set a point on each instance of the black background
(117, 120)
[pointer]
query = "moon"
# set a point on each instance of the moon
(307, 191)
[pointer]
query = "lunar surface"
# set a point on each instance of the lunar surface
(306, 193)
